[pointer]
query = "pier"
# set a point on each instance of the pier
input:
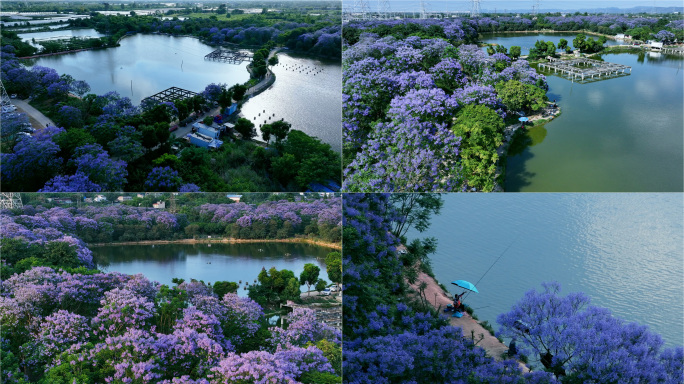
(673, 50)
(586, 70)
(228, 56)
(172, 94)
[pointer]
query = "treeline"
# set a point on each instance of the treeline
(105, 143)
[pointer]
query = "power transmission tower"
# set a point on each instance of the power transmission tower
(172, 203)
(383, 9)
(423, 13)
(535, 7)
(3, 96)
(475, 8)
(10, 200)
(361, 7)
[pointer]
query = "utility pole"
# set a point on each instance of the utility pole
(475, 8)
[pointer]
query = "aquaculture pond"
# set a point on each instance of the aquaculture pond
(307, 93)
(209, 262)
(623, 250)
(622, 134)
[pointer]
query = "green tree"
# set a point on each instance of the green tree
(278, 130)
(518, 96)
(238, 91)
(245, 128)
(515, 52)
(416, 210)
(70, 140)
(550, 48)
(333, 265)
(562, 44)
(320, 285)
(208, 120)
(273, 60)
(481, 132)
(315, 160)
(222, 287)
(309, 275)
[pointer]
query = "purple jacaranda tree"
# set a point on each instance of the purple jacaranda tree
(93, 161)
(572, 338)
(163, 179)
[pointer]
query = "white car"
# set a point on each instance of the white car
(325, 292)
(14, 96)
(333, 288)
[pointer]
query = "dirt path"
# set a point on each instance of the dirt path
(439, 299)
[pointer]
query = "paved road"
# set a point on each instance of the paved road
(32, 112)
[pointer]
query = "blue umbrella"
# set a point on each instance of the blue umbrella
(523, 119)
(465, 284)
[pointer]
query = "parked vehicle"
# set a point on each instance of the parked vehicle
(325, 292)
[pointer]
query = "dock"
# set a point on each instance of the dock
(228, 56)
(584, 70)
(673, 50)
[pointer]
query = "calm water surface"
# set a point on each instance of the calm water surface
(211, 263)
(623, 250)
(526, 40)
(146, 64)
(312, 104)
(616, 135)
(63, 34)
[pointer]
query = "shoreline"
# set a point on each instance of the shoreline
(221, 241)
(548, 113)
(612, 37)
(470, 327)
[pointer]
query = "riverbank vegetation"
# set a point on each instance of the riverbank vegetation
(390, 338)
(63, 321)
(415, 102)
(35, 235)
(104, 143)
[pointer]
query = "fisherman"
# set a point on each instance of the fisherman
(457, 301)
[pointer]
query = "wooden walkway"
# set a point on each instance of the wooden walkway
(673, 50)
(585, 70)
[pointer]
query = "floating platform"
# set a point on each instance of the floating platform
(228, 56)
(673, 50)
(585, 70)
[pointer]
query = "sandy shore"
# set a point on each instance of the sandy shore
(440, 299)
(223, 241)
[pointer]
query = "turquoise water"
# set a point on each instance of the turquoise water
(209, 262)
(623, 250)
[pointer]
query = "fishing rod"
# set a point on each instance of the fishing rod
(494, 263)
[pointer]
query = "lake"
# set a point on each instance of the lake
(526, 40)
(53, 35)
(209, 262)
(145, 64)
(311, 103)
(623, 250)
(616, 135)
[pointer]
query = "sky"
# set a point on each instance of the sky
(502, 6)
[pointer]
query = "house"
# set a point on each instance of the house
(159, 205)
(235, 198)
(121, 199)
(655, 44)
(230, 110)
(99, 199)
(620, 36)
